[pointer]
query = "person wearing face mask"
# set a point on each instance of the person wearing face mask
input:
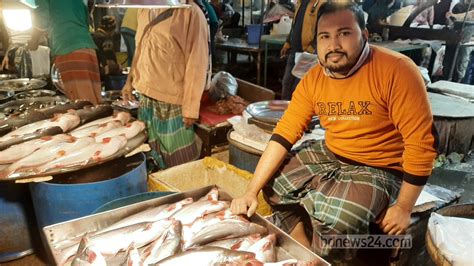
(379, 145)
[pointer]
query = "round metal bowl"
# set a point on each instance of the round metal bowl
(18, 85)
(8, 76)
(111, 96)
(34, 94)
(19, 106)
(5, 96)
(56, 79)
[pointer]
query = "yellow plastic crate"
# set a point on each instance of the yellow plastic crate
(205, 172)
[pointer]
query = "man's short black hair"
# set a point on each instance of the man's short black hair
(332, 7)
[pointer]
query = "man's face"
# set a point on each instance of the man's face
(340, 41)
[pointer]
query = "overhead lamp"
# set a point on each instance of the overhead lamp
(142, 3)
(17, 19)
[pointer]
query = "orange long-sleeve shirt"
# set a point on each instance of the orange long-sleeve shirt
(380, 116)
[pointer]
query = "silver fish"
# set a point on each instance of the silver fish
(87, 255)
(208, 256)
(264, 249)
(151, 215)
(132, 257)
(240, 243)
(45, 155)
(123, 117)
(191, 212)
(112, 242)
(91, 153)
(212, 195)
(230, 228)
(65, 121)
(18, 151)
(166, 246)
(129, 131)
(96, 130)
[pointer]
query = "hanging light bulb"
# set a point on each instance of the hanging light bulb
(17, 19)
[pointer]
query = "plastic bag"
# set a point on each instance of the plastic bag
(223, 85)
(303, 63)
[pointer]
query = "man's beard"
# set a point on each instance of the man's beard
(337, 67)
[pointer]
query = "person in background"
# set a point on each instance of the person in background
(226, 13)
(301, 38)
(128, 30)
(426, 17)
(72, 47)
(104, 39)
(379, 144)
(169, 72)
(460, 11)
(213, 27)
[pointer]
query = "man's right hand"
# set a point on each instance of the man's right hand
(285, 50)
(247, 204)
(127, 92)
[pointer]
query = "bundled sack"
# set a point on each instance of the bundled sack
(222, 86)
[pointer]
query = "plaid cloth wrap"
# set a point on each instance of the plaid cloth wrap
(170, 141)
(340, 198)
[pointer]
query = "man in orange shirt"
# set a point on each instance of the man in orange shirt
(379, 146)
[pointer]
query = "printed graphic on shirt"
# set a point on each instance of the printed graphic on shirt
(353, 110)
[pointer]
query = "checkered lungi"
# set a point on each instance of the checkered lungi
(170, 141)
(80, 75)
(340, 198)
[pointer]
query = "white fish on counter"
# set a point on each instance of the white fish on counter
(151, 215)
(44, 155)
(92, 153)
(123, 117)
(114, 241)
(18, 151)
(65, 121)
(230, 228)
(264, 249)
(212, 195)
(87, 255)
(96, 130)
(166, 246)
(209, 256)
(129, 131)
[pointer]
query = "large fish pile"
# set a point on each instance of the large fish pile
(94, 141)
(187, 232)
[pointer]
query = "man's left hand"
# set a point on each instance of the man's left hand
(188, 122)
(395, 221)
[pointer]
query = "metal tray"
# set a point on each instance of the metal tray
(34, 94)
(132, 144)
(8, 76)
(25, 104)
(53, 234)
(5, 96)
(23, 84)
(269, 112)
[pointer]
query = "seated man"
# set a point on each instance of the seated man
(379, 146)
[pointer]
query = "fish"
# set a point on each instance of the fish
(87, 255)
(212, 195)
(95, 130)
(191, 212)
(129, 131)
(64, 121)
(207, 220)
(208, 256)
(132, 257)
(264, 249)
(239, 243)
(91, 113)
(44, 155)
(95, 152)
(151, 215)
(123, 117)
(24, 149)
(27, 137)
(166, 246)
(63, 108)
(114, 241)
(230, 228)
